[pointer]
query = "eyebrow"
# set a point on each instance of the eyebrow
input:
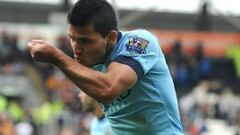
(84, 37)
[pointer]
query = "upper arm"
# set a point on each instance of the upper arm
(122, 78)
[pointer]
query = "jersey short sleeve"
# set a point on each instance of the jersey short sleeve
(140, 50)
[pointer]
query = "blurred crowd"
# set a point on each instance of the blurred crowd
(201, 96)
(188, 69)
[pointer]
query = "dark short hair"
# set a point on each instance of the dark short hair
(97, 12)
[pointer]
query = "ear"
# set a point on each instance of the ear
(112, 36)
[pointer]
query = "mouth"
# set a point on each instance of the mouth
(77, 59)
(81, 61)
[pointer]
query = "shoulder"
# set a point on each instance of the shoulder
(141, 40)
(136, 43)
(141, 33)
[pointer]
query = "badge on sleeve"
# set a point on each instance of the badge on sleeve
(136, 45)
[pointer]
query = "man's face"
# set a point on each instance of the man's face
(89, 47)
(87, 101)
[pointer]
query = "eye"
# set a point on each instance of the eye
(83, 41)
(71, 39)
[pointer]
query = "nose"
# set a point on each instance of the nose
(77, 49)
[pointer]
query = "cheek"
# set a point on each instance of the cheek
(101, 49)
(97, 52)
(73, 47)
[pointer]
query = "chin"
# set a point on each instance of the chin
(84, 63)
(88, 65)
(81, 62)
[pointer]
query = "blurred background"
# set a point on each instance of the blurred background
(200, 39)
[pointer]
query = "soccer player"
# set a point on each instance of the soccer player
(100, 124)
(136, 92)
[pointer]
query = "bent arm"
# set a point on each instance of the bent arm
(103, 87)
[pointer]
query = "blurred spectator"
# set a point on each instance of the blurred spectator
(6, 125)
(64, 44)
(15, 110)
(26, 125)
(67, 92)
(207, 101)
(179, 65)
(9, 51)
(100, 124)
(204, 66)
(203, 21)
(3, 103)
(70, 114)
(24, 128)
(67, 132)
(177, 52)
(233, 53)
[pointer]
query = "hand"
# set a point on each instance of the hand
(42, 51)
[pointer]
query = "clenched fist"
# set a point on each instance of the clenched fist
(42, 51)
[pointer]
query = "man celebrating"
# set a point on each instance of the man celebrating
(136, 92)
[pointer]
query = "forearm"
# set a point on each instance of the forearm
(93, 83)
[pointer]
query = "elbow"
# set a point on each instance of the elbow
(107, 96)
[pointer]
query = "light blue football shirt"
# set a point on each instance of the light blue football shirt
(100, 126)
(150, 107)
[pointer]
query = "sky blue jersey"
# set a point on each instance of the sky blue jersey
(100, 126)
(150, 107)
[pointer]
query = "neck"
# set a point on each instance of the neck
(110, 46)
